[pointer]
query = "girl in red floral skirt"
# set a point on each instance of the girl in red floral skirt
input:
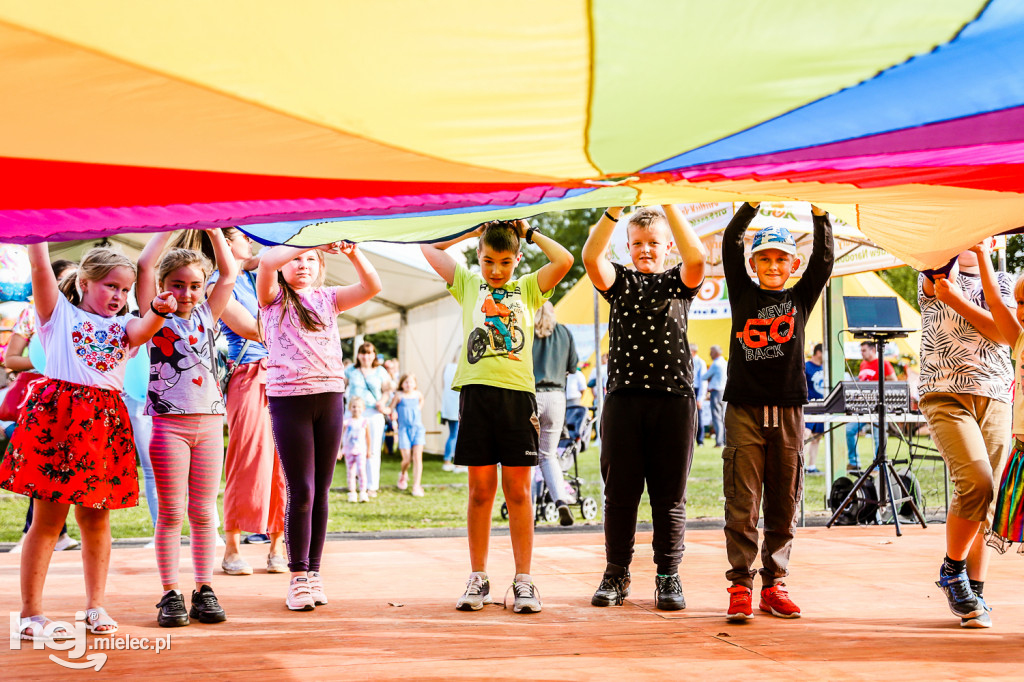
(73, 444)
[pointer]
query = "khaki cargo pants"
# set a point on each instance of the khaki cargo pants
(762, 462)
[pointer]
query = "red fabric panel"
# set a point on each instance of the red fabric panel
(36, 184)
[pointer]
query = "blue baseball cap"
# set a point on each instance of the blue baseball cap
(774, 238)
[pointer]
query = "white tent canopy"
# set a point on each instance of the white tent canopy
(408, 281)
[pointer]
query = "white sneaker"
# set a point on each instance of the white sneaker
(447, 466)
(300, 595)
(364, 496)
(353, 496)
(460, 470)
(478, 593)
(64, 542)
(316, 589)
(527, 598)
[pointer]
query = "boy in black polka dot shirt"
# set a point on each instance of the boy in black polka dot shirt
(649, 419)
(765, 391)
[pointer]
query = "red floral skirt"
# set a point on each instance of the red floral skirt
(73, 445)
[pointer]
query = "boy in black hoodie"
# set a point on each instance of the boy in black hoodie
(765, 392)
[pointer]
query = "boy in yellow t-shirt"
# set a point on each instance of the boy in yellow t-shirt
(497, 408)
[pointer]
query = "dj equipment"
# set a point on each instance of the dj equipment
(884, 327)
(861, 397)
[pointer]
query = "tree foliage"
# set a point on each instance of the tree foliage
(568, 228)
(903, 280)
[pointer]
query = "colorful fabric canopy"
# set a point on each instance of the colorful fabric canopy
(406, 121)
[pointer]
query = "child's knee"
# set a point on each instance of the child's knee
(481, 496)
(518, 495)
(91, 522)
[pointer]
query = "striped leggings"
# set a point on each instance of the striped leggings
(187, 452)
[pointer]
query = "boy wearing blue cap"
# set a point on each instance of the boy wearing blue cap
(765, 392)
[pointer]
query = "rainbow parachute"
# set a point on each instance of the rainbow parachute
(398, 120)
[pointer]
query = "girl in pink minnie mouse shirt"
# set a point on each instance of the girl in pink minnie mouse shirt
(184, 399)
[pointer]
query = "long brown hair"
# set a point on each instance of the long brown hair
(308, 319)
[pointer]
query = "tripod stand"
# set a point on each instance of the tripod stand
(882, 462)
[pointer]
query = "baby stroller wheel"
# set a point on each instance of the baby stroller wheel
(550, 512)
(504, 511)
(588, 507)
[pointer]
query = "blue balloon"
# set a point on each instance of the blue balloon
(136, 375)
(36, 353)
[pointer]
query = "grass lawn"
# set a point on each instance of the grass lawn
(444, 505)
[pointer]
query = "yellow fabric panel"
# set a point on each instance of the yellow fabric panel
(63, 113)
(442, 226)
(902, 218)
(673, 75)
(496, 85)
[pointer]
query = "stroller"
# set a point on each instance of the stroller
(579, 422)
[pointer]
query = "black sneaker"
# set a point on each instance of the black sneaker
(961, 598)
(171, 611)
(205, 607)
(612, 591)
(565, 515)
(668, 593)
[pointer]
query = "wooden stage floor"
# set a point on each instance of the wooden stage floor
(871, 610)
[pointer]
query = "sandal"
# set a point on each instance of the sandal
(39, 626)
(97, 618)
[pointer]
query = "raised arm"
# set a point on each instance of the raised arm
(819, 266)
(595, 250)
(559, 259)
(1005, 320)
(146, 284)
(238, 319)
(44, 284)
(982, 320)
(271, 261)
(220, 295)
(368, 285)
(443, 264)
(732, 248)
(691, 250)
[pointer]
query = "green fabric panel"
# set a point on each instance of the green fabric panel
(421, 229)
(656, 93)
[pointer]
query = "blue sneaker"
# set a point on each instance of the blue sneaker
(962, 600)
(982, 621)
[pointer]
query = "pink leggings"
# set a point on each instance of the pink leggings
(187, 452)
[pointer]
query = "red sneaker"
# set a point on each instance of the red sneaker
(775, 600)
(740, 606)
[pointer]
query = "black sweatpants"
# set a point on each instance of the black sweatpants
(646, 437)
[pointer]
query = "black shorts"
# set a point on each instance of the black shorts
(497, 426)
